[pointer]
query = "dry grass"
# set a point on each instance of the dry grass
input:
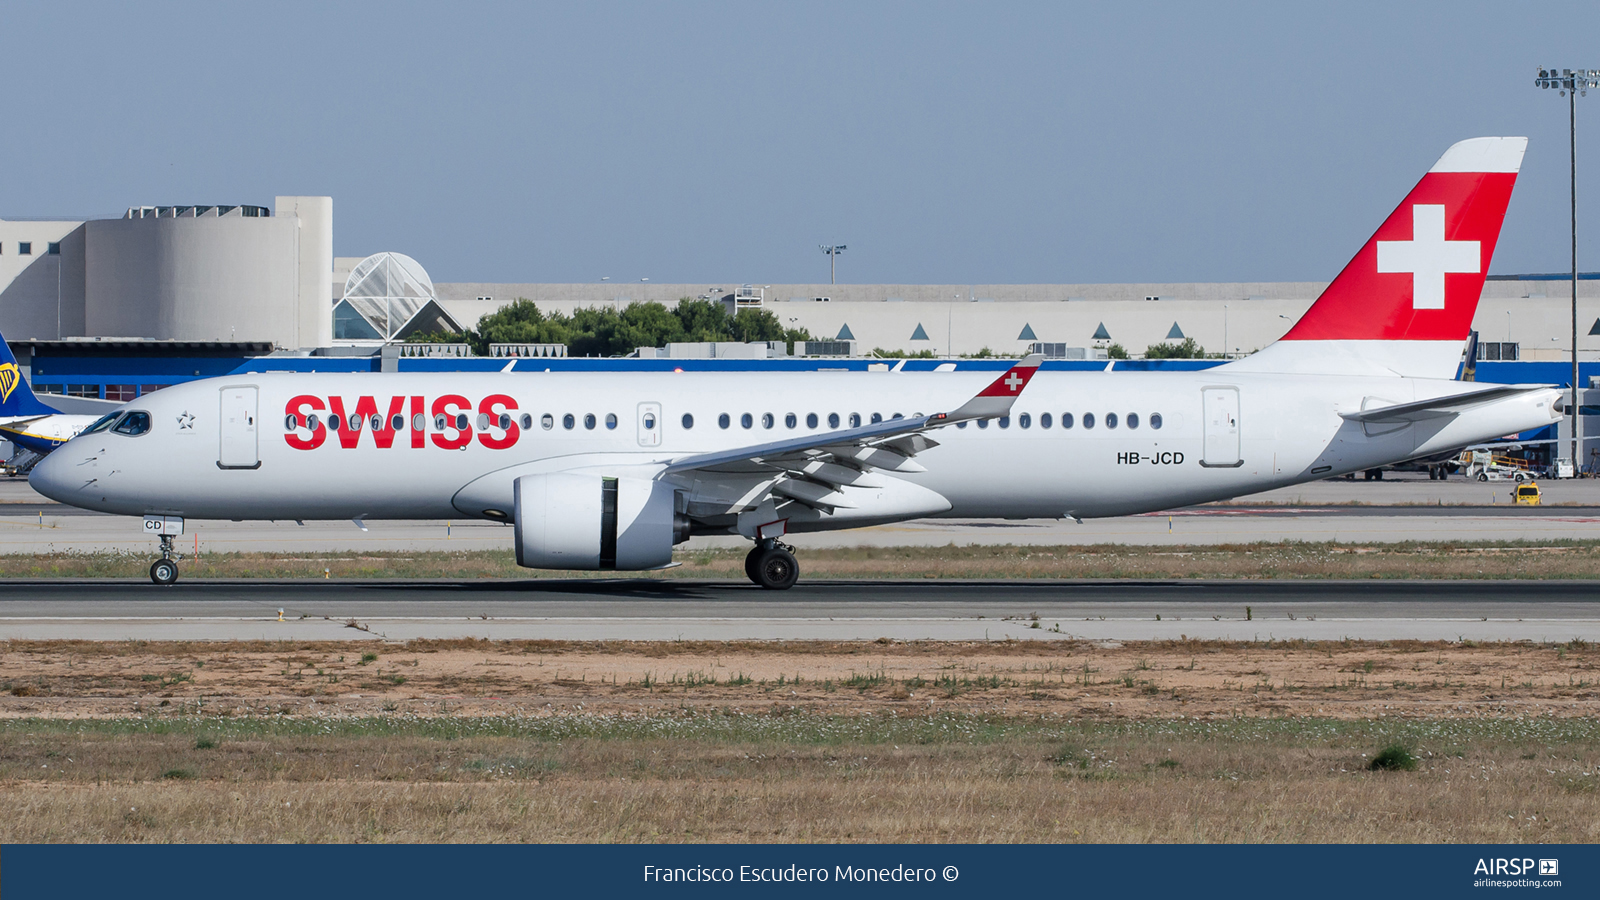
(1209, 679)
(1436, 559)
(808, 741)
(798, 777)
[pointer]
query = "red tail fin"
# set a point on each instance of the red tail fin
(1419, 277)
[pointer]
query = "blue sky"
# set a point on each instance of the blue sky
(722, 142)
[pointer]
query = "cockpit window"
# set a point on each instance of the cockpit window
(102, 423)
(133, 424)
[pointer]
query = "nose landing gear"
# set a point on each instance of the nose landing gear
(772, 565)
(164, 571)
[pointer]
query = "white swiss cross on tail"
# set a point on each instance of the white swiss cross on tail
(1428, 256)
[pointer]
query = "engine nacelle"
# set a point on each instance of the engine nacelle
(581, 521)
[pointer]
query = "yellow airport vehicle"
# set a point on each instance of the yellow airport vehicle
(1526, 494)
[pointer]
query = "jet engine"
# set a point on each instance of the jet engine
(580, 521)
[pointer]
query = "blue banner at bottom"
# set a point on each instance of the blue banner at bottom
(392, 872)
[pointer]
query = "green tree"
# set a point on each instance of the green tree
(1116, 351)
(1187, 349)
(435, 337)
(609, 331)
(703, 320)
(519, 322)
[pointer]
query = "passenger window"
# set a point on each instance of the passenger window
(746, 420)
(983, 423)
(1066, 420)
(897, 416)
(377, 422)
(767, 421)
(1088, 420)
(397, 422)
(1005, 421)
(1132, 419)
(419, 422)
(133, 424)
(790, 420)
(876, 418)
(962, 423)
(461, 421)
(291, 422)
(547, 421)
(688, 421)
(568, 422)
(1155, 421)
(311, 422)
(811, 420)
(333, 423)
(589, 421)
(611, 421)
(355, 422)
(505, 422)
(1025, 420)
(723, 421)
(483, 421)
(439, 422)
(855, 420)
(1044, 420)
(1111, 420)
(527, 421)
(833, 420)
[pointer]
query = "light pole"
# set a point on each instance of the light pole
(833, 251)
(1570, 84)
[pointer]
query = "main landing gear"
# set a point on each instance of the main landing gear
(164, 571)
(772, 565)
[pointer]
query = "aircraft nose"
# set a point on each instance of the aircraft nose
(49, 476)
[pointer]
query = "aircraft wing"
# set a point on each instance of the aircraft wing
(1439, 406)
(824, 470)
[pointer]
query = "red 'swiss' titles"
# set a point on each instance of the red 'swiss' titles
(448, 422)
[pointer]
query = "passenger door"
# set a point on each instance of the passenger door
(1220, 415)
(238, 429)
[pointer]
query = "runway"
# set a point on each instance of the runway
(642, 609)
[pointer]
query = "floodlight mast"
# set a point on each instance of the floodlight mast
(833, 251)
(1570, 83)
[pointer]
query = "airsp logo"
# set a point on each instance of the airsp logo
(1502, 866)
(9, 376)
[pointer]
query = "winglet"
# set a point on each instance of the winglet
(996, 399)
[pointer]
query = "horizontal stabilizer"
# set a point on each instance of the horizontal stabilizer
(1439, 406)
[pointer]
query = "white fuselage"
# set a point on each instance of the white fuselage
(221, 448)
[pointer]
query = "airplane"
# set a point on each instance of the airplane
(25, 420)
(611, 470)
